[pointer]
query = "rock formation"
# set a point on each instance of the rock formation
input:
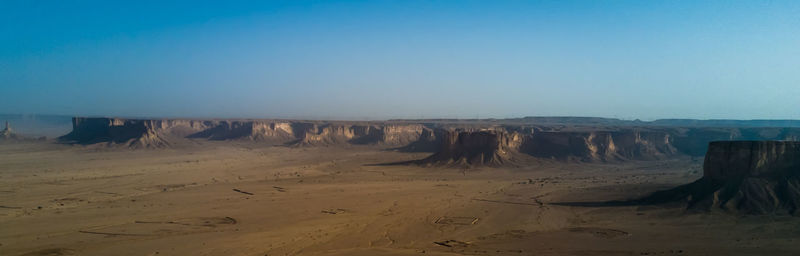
(429, 140)
(159, 133)
(747, 177)
(133, 133)
(8, 134)
(232, 130)
(470, 148)
(497, 146)
(594, 143)
(693, 141)
(600, 145)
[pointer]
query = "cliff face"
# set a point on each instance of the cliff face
(727, 160)
(560, 142)
(694, 141)
(265, 131)
(405, 134)
(748, 177)
(486, 147)
(387, 134)
(159, 133)
(429, 140)
(644, 145)
(600, 146)
(134, 133)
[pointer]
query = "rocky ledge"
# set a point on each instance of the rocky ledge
(745, 177)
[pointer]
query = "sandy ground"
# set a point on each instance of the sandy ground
(226, 198)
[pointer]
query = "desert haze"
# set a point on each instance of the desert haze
(524, 186)
(414, 127)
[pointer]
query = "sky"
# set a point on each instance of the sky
(401, 59)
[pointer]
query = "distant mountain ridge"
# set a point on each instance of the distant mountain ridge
(578, 120)
(463, 143)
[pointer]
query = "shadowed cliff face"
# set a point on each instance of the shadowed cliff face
(486, 147)
(228, 130)
(429, 140)
(747, 177)
(694, 141)
(498, 146)
(134, 133)
(727, 160)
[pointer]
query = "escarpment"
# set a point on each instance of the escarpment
(159, 133)
(388, 134)
(693, 141)
(133, 133)
(747, 177)
(483, 147)
(230, 130)
(547, 141)
(498, 146)
(600, 145)
(429, 140)
(327, 134)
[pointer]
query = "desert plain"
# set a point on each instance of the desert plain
(245, 197)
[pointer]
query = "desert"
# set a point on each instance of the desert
(413, 127)
(116, 186)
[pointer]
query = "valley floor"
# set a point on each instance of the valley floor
(228, 198)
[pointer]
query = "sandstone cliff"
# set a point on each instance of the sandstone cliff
(748, 177)
(231, 130)
(133, 133)
(159, 133)
(693, 141)
(557, 141)
(429, 140)
(483, 147)
(600, 145)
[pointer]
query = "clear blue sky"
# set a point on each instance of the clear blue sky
(401, 59)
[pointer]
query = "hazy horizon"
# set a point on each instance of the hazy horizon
(348, 60)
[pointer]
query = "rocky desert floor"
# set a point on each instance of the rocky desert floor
(230, 198)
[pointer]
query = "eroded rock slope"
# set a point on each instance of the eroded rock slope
(747, 177)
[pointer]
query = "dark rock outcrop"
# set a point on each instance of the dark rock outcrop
(159, 133)
(747, 177)
(474, 148)
(133, 133)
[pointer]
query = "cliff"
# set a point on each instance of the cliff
(230, 130)
(600, 145)
(133, 133)
(468, 148)
(139, 133)
(560, 142)
(747, 177)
